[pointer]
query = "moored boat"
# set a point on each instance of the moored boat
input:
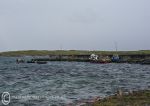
(115, 58)
(31, 61)
(41, 62)
(99, 59)
(20, 61)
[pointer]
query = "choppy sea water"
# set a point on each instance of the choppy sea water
(60, 83)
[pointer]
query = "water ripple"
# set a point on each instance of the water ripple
(70, 80)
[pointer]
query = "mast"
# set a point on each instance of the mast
(116, 46)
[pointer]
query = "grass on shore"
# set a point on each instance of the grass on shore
(137, 98)
(70, 52)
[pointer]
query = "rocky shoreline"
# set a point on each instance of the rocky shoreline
(120, 98)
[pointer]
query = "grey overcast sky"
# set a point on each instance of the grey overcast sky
(74, 24)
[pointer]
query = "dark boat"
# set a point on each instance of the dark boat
(41, 62)
(31, 61)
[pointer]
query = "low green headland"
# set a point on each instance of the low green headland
(141, 56)
(71, 52)
(136, 98)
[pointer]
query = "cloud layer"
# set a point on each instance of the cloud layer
(74, 24)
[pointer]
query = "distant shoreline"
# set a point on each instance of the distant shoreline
(71, 52)
(140, 57)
